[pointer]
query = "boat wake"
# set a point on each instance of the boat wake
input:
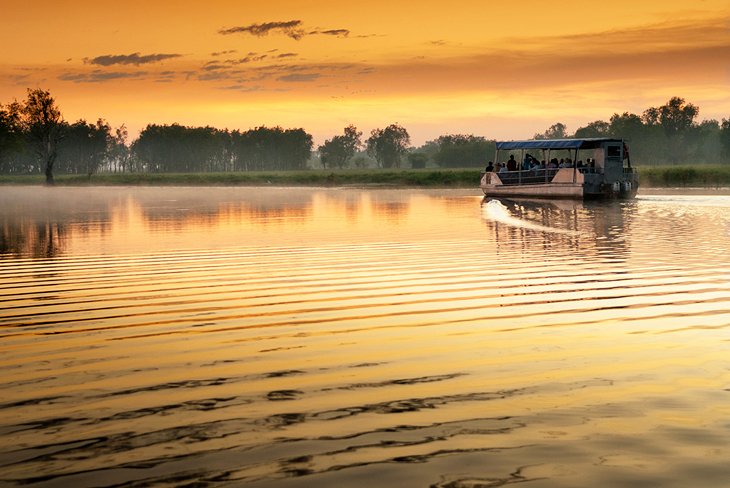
(496, 211)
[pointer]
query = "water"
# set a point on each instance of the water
(341, 337)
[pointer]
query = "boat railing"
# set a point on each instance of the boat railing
(528, 177)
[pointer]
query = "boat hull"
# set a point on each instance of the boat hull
(547, 190)
(588, 186)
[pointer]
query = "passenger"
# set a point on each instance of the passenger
(562, 163)
(490, 167)
(553, 163)
(526, 162)
(502, 168)
(511, 163)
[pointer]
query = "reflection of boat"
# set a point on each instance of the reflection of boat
(602, 176)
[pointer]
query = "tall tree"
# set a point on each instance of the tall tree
(338, 150)
(597, 128)
(43, 124)
(725, 138)
(85, 147)
(556, 131)
(463, 151)
(675, 119)
(388, 145)
(10, 132)
(119, 153)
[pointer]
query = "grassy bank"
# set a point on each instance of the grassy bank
(700, 175)
(704, 176)
(459, 178)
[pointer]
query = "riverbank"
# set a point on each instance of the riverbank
(452, 178)
(695, 176)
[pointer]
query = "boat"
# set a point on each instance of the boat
(606, 172)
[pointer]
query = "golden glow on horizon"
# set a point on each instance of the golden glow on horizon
(434, 67)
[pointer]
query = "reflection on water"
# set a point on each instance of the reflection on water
(298, 337)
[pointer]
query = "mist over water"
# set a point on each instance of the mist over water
(343, 337)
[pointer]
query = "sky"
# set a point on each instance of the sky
(498, 69)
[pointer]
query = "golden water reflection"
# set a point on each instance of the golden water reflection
(118, 221)
(315, 337)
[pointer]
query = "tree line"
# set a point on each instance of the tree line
(34, 138)
(666, 134)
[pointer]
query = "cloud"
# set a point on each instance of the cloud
(299, 77)
(250, 58)
(98, 76)
(221, 53)
(134, 59)
(332, 32)
(290, 28)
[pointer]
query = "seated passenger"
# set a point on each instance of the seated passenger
(490, 167)
(526, 161)
(502, 168)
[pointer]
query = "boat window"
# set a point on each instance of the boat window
(613, 151)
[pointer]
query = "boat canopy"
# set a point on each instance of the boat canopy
(588, 143)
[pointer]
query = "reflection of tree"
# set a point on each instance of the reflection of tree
(185, 207)
(40, 239)
(394, 210)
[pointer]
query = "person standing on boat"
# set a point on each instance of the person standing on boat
(511, 163)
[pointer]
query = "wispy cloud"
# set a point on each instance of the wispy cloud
(332, 32)
(135, 59)
(290, 28)
(221, 53)
(299, 77)
(98, 76)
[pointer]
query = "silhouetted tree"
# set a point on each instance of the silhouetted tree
(418, 160)
(85, 147)
(176, 148)
(265, 148)
(388, 145)
(675, 118)
(461, 151)
(555, 131)
(42, 122)
(119, 152)
(725, 138)
(597, 128)
(11, 134)
(338, 150)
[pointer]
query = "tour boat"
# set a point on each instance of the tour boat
(559, 172)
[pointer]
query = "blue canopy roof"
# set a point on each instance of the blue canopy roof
(589, 143)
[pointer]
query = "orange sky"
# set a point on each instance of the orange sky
(493, 68)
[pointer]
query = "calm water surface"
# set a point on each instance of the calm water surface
(340, 337)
